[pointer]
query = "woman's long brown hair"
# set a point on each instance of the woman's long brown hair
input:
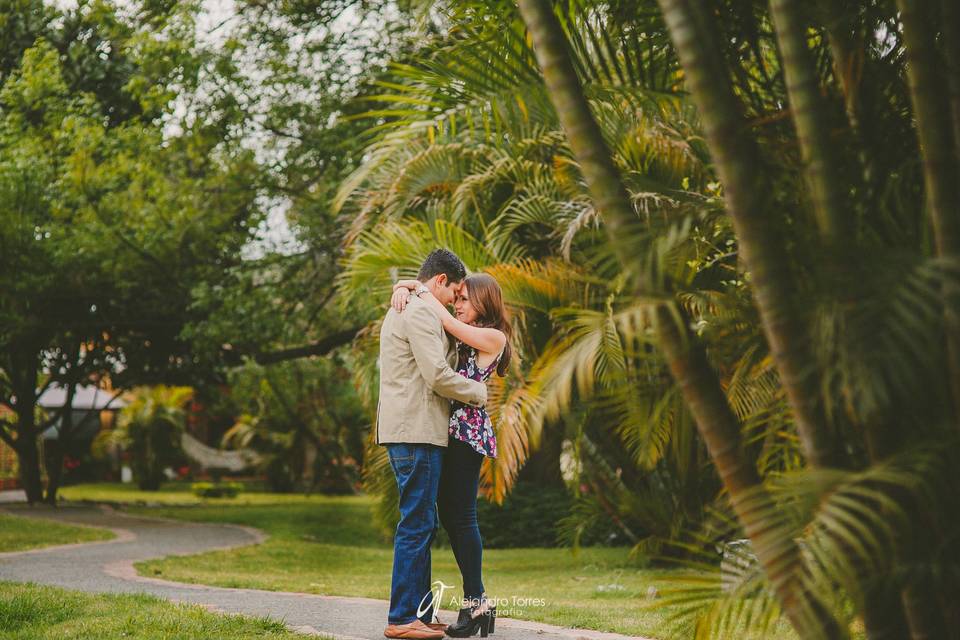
(487, 299)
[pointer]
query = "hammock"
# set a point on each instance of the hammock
(211, 458)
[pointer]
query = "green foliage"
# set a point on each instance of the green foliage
(124, 231)
(468, 137)
(149, 430)
(469, 156)
(301, 417)
(216, 489)
(531, 516)
(114, 205)
(852, 528)
(286, 82)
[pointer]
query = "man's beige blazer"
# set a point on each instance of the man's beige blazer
(417, 378)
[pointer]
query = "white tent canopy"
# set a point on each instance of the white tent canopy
(86, 398)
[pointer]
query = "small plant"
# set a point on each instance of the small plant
(216, 489)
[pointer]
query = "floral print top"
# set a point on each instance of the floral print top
(468, 423)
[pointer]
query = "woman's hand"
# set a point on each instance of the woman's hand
(400, 297)
(401, 293)
(410, 285)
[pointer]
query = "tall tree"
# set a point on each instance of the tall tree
(109, 221)
(292, 77)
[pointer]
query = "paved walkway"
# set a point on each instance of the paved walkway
(108, 567)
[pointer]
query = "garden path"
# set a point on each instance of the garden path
(107, 567)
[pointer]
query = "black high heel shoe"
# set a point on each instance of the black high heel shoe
(463, 617)
(468, 624)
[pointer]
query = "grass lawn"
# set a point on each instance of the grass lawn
(331, 548)
(19, 533)
(171, 493)
(328, 545)
(30, 612)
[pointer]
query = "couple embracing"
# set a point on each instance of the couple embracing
(431, 418)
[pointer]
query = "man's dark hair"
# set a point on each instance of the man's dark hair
(442, 261)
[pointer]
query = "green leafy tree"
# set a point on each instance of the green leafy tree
(292, 76)
(109, 221)
(302, 417)
(295, 76)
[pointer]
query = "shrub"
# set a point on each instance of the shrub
(216, 489)
(530, 517)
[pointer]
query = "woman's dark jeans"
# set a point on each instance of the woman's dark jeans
(457, 507)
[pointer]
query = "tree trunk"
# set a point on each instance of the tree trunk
(542, 468)
(53, 459)
(845, 53)
(151, 474)
(924, 616)
(760, 242)
(883, 607)
(848, 47)
(931, 109)
(916, 611)
(54, 456)
(950, 18)
(720, 430)
(28, 459)
(938, 147)
(821, 167)
(24, 381)
(687, 361)
(883, 615)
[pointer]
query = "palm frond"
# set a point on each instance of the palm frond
(395, 250)
(515, 440)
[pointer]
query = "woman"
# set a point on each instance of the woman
(483, 332)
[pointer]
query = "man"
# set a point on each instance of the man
(417, 381)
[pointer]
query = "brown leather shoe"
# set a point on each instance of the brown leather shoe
(439, 626)
(415, 629)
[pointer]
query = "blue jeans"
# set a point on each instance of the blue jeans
(417, 468)
(457, 502)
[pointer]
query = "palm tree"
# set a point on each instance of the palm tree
(687, 360)
(149, 428)
(937, 145)
(739, 164)
(444, 179)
